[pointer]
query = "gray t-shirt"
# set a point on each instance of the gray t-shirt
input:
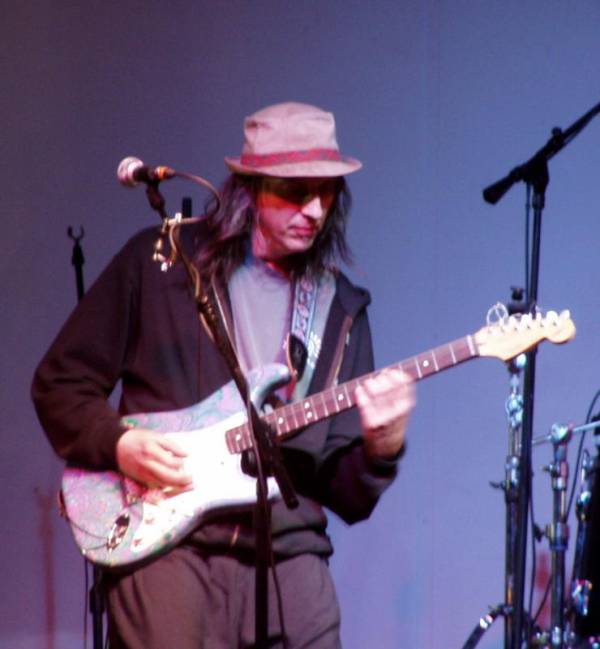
(261, 305)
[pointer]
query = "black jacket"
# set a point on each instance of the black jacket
(139, 326)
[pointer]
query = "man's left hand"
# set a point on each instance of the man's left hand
(385, 403)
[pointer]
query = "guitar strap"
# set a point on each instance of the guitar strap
(312, 302)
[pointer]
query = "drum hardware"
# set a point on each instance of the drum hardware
(581, 587)
(562, 633)
(585, 595)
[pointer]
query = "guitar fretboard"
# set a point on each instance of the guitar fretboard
(289, 419)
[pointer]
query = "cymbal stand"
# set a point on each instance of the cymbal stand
(557, 534)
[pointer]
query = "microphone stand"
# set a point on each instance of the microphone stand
(96, 599)
(266, 456)
(534, 173)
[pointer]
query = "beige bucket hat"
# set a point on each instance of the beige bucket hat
(291, 140)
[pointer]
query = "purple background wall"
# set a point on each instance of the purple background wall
(438, 99)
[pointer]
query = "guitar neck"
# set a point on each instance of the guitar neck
(290, 418)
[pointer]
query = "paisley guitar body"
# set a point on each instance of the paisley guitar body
(118, 522)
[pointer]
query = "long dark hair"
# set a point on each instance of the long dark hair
(229, 226)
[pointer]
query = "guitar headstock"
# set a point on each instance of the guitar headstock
(510, 336)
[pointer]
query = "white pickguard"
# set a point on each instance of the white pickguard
(218, 482)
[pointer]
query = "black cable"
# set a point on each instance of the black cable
(533, 618)
(533, 566)
(86, 583)
(543, 602)
(284, 637)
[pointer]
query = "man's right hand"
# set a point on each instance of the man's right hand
(152, 458)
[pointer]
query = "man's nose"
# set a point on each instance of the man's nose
(313, 208)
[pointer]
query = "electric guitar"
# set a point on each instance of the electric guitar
(119, 522)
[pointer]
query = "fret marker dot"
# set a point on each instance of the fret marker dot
(306, 405)
(425, 363)
(309, 415)
(280, 420)
(238, 437)
(340, 397)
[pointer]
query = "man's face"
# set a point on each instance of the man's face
(290, 214)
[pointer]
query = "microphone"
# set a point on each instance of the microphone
(132, 171)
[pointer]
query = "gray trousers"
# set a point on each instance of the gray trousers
(185, 600)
